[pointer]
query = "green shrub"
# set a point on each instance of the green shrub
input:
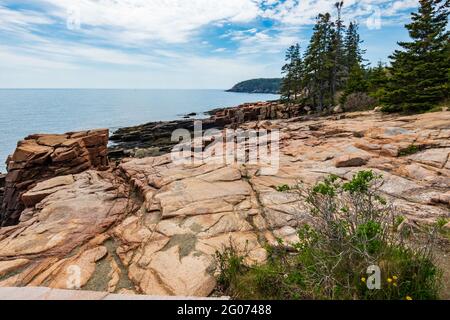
(441, 222)
(359, 101)
(352, 230)
(283, 188)
(230, 264)
(412, 149)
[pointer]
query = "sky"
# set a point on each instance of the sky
(173, 44)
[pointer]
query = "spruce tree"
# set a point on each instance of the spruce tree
(338, 71)
(377, 79)
(352, 47)
(420, 72)
(290, 83)
(357, 83)
(319, 62)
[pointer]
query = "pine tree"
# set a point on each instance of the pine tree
(377, 78)
(293, 73)
(420, 72)
(357, 83)
(299, 73)
(338, 71)
(352, 47)
(319, 62)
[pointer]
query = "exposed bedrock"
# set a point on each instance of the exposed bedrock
(43, 156)
(152, 226)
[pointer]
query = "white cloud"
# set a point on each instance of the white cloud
(143, 22)
(160, 40)
(262, 42)
(10, 58)
(172, 21)
(303, 12)
(21, 21)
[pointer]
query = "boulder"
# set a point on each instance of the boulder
(338, 109)
(2, 180)
(42, 156)
(351, 160)
(378, 109)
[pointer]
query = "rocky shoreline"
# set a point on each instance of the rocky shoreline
(148, 225)
(154, 138)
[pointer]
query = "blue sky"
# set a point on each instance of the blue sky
(172, 43)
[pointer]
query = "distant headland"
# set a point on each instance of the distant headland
(271, 85)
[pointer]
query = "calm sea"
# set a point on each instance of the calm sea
(26, 111)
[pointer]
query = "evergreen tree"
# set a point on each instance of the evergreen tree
(420, 72)
(319, 62)
(326, 65)
(338, 71)
(377, 78)
(352, 47)
(357, 82)
(293, 73)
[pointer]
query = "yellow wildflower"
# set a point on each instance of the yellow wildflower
(363, 279)
(389, 280)
(394, 284)
(395, 277)
(408, 298)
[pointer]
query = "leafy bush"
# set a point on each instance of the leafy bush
(411, 149)
(283, 188)
(230, 263)
(354, 228)
(359, 101)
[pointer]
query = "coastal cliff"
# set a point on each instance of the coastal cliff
(152, 226)
(43, 156)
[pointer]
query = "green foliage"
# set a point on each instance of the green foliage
(326, 188)
(368, 237)
(360, 182)
(291, 85)
(283, 188)
(398, 221)
(356, 83)
(419, 75)
(441, 222)
(440, 225)
(353, 229)
(377, 79)
(258, 86)
(230, 264)
(416, 81)
(353, 51)
(319, 63)
(316, 77)
(411, 149)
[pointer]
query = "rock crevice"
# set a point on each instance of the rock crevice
(152, 226)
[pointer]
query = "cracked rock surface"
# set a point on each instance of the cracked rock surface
(152, 226)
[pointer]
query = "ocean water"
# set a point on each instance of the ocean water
(27, 111)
